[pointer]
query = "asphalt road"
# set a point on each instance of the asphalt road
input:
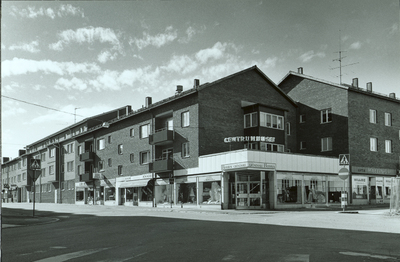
(83, 237)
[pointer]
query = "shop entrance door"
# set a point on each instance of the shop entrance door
(248, 191)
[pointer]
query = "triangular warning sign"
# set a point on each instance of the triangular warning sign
(344, 160)
(35, 164)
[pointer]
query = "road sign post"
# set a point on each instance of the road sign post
(344, 174)
(34, 166)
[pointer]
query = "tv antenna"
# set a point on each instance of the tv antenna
(340, 59)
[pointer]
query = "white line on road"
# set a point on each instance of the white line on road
(366, 255)
(69, 256)
(296, 258)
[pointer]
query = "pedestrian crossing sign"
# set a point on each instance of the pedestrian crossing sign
(344, 159)
(35, 164)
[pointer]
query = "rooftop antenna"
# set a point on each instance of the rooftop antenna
(340, 58)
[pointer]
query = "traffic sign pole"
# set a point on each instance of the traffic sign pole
(34, 191)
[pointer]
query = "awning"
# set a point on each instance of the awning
(134, 183)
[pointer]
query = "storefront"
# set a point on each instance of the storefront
(97, 192)
(135, 190)
(371, 185)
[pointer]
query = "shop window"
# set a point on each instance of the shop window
(388, 146)
(289, 190)
(109, 194)
(185, 119)
(187, 193)
(326, 144)
(146, 193)
(163, 194)
(210, 193)
(132, 195)
(372, 116)
(79, 196)
(373, 144)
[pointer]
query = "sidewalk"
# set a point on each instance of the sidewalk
(364, 218)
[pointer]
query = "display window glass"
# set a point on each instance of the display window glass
(132, 195)
(163, 194)
(79, 196)
(387, 188)
(315, 189)
(289, 189)
(187, 193)
(110, 193)
(360, 187)
(211, 193)
(146, 193)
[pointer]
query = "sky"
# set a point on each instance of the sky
(65, 61)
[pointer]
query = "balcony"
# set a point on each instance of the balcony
(160, 166)
(87, 156)
(161, 137)
(87, 177)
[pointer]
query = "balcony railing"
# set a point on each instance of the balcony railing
(160, 166)
(161, 136)
(87, 156)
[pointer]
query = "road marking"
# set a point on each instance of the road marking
(69, 256)
(366, 255)
(228, 257)
(296, 258)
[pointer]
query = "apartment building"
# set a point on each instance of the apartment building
(348, 119)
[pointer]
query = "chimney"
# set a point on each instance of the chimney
(179, 89)
(196, 83)
(355, 82)
(21, 152)
(392, 95)
(300, 70)
(148, 101)
(369, 87)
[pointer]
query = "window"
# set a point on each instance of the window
(132, 132)
(23, 176)
(51, 170)
(110, 162)
(302, 118)
(120, 170)
(166, 153)
(144, 157)
(303, 145)
(132, 157)
(326, 144)
(326, 115)
(80, 150)
(101, 144)
(288, 129)
(63, 185)
(271, 147)
(109, 139)
(80, 170)
(19, 178)
(250, 120)
(271, 121)
(388, 119)
(70, 149)
(372, 116)
(144, 131)
(120, 149)
(52, 152)
(43, 170)
(70, 166)
(185, 119)
(388, 146)
(185, 149)
(43, 156)
(24, 162)
(373, 144)
(100, 165)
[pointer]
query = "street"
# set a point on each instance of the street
(151, 236)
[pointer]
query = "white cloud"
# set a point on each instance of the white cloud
(181, 64)
(105, 56)
(355, 45)
(71, 84)
(87, 35)
(33, 12)
(158, 40)
(216, 52)
(308, 56)
(271, 62)
(190, 33)
(20, 66)
(31, 47)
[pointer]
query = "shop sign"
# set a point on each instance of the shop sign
(248, 165)
(360, 180)
(249, 139)
(388, 181)
(210, 178)
(371, 170)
